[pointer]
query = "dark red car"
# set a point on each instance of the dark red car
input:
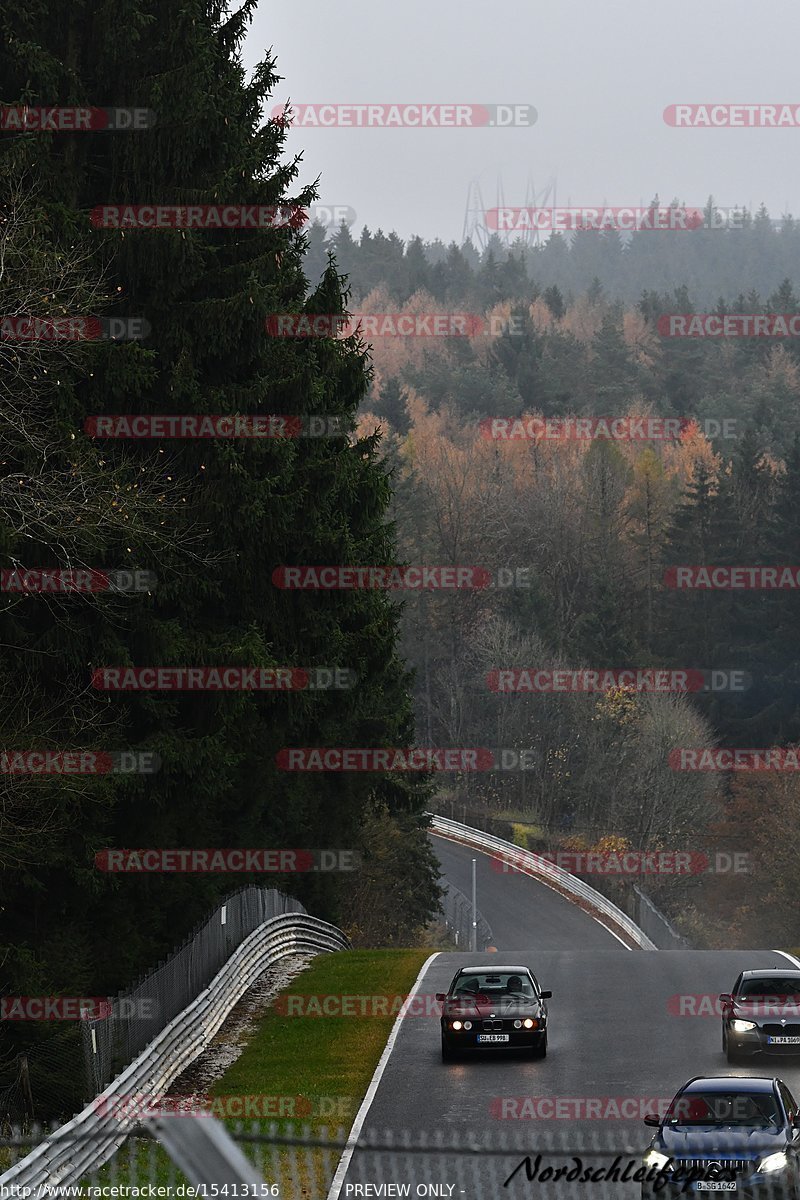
(493, 1008)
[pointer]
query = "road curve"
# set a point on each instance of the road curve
(627, 1028)
(523, 913)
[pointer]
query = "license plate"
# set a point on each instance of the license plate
(492, 1037)
(716, 1185)
(783, 1041)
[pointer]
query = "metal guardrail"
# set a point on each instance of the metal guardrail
(138, 1014)
(542, 868)
(656, 925)
(457, 911)
(91, 1137)
(206, 1154)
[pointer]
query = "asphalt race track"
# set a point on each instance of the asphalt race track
(522, 913)
(620, 1038)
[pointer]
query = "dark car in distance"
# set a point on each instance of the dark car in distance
(493, 1008)
(734, 1135)
(761, 1014)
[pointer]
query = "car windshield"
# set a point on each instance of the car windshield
(501, 983)
(724, 1108)
(786, 989)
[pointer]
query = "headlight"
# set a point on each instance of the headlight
(456, 1024)
(742, 1026)
(773, 1162)
(468, 1024)
(529, 1023)
(518, 1024)
(654, 1158)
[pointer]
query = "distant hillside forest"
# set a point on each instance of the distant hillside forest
(597, 523)
(585, 309)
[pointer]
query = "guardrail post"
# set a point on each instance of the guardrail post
(203, 1149)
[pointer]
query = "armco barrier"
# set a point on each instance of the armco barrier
(548, 872)
(91, 1137)
(654, 923)
(139, 1013)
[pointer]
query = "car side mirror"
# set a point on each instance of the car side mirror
(652, 1119)
(546, 995)
(441, 995)
(726, 997)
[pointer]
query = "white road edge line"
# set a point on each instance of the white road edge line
(537, 879)
(347, 1153)
(611, 931)
(795, 962)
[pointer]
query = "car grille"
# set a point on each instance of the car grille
(743, 1166)
(782, 1030)
(492, 1026)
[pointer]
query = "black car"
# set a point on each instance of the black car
(761, 1015)
(497, 1008)
(739, 1136)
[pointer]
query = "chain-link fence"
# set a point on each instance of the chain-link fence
(590, 1162)
(137, 1015)
(42, 1071)
(64, 1064)
(457, 909)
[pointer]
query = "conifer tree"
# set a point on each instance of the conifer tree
(249, 506)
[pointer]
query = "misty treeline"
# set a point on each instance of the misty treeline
(211, 519)
(747, 256)
(586, 345)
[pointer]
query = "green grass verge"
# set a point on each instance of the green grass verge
(299, 1071)
(323, 1058)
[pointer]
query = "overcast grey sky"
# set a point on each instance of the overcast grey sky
(599, 76)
